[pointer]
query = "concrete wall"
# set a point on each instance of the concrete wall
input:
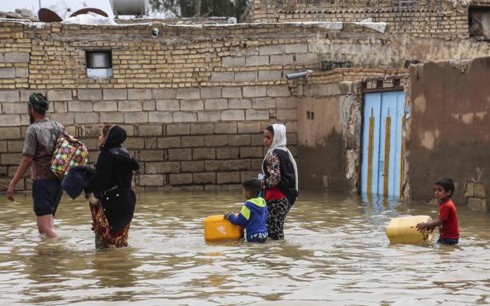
(449, 130)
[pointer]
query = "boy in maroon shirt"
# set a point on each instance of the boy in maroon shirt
(448, 219)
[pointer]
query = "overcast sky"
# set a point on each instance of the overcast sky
(59, 6)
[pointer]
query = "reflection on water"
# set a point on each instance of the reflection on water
(336, 252)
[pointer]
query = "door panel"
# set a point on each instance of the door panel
(381, 169)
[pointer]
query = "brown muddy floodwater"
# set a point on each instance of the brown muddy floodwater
(335, 253)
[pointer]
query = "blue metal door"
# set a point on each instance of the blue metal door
(382, 168)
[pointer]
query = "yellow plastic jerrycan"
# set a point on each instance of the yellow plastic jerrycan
(403, 230)
(217, 228)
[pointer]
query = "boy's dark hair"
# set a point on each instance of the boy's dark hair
(446, 183)
(253, 186)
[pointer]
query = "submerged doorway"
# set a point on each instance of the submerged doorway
(382, 166)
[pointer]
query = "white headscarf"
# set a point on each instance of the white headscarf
(279, 143)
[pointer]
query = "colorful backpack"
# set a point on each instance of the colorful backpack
(68, 153)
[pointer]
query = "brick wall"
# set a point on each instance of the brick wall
(443, 19)
(195, 99)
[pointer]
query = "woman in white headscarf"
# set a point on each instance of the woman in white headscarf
(280, 179)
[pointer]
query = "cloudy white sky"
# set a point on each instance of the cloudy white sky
(59, 6)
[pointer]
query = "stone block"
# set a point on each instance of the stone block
(150, 155)
(164, 94)
(59, 95)
(178, 129)
(188, 93)
(21, 72)
(184, 117)
(239, 140)
(204, 178)
(272, 49)
(16, 57)
(246, 175)
(59, 107)
(180, 179)
(79, 106)
(270, 75)
(264, 103)
(246, 76)
(100, 106)
(115, 94)
(139, 94)
(136, 117)
(134, 143)
(9, 120)
(211, 116)
(202, 128)
(225, 128)
(249, 127)
(257, 140)
(232, 92)
(278, 91)
(168, 167)
(150, 143)
(11, 96)
(89, 94)
(192, 166)
(150, 130)
(251, 152)
(149, 105)
(7, 73)
(228, 177)
(65, 118)
(216, 165)
(111, 117)
(233, 115)
(296, 48)
(216, 104)
(227, 153)
(222, 76)
(282, 60)
(191, 105)
(255, 60)
(14, 108)
(254, 91)
(3, 149)
(203, 154)
(240, 104)
(233, 61)
(192, 141)
(10, 159)
(151, 180)
(215, 141)
(14, 146)
(211, 93)
(168, 142)
(160, 117)
(130, 106)
(179, 154)
(254, 114)
(85, 118)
